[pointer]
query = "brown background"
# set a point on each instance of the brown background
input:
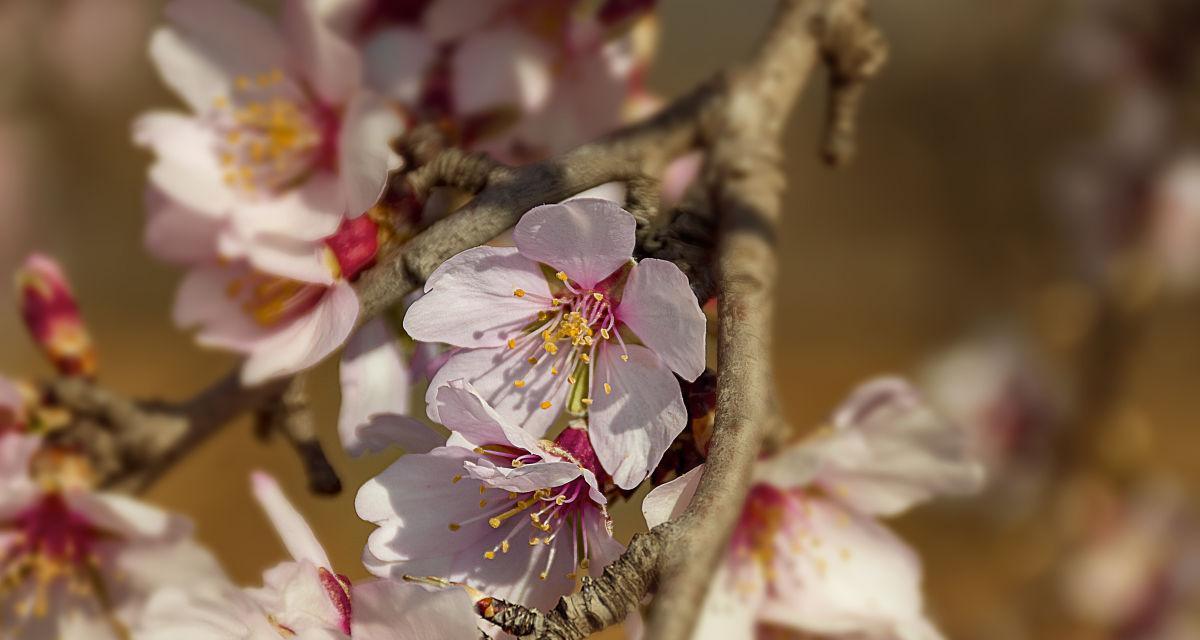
(942, 225)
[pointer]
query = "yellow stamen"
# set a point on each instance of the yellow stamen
(490, 555)
(598, 296)
(512, 344)
(624, 357)
(455, 479)
(561, 275)
(546, 404)
(519, 383)
(585, 357)
(454, 526)
(607, 388)
(520, 293)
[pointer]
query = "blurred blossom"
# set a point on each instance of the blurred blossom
(516, 517)
(305, 598)
(1174, 239)
(79, 563)
(537, 346)
(807, 553)
(990, 387)
(52, 316)
(1137, 574)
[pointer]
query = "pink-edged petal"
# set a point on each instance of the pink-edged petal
(469, 301)
(678, 176)
(306, 340)
(293, 530)
(493, 373)
(301, 260)
(889, 450)
(659, 306)
(397, 59)
(632, 427)
(462, 409)
(209, 44)
(506, 67)
(187, 167)
(311, 211)
(669, 500)
(375, 391)
(853, 577)
(526, 479)
(588, 239)
(330, 63)
(392, 610)
(178, 234)
(414, 502)
(365, 154)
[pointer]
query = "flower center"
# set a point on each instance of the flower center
(49, 543)
(566, 337)
(543, 515)
(272, 134)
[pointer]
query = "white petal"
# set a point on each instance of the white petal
(669, 500)
(365, 153)
(297, 536)
(306, 340)
(397, 59)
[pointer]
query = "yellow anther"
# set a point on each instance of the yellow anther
(482, 503)
(534, 541)
(504, 546)
(561, 275)
(542, 315)
(555, 302)
(490, 555)
(542, 575)
(553, 371)
(512, 344)
(624, 357)
(598, 296)
(587, 402)
(519, 383)
(571, 379)
(455, 479)
(607, 388)
(546, 404)
(454, 526)
(482, 489)
(560, 500)
(604, 333)
(517, 464)
(585, 357)
(520, 293)
(551, 348)
(531, 360)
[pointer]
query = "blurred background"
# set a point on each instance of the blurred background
(950, 226)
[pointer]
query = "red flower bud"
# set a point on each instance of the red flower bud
(53, 318)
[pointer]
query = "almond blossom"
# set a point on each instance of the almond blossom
(52, 316)
(282, 140)
(79, 563)
(601, 337)
(305, 598)
(807, 553)
(494, 507)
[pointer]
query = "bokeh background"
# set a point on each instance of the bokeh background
(942, 226)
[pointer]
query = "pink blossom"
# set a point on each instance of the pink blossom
(81, 563)
(282, 141)
(306, 598)
(494, 507)
(600, 338)
(807, 553)
(52, 316)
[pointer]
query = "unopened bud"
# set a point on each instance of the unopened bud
(53, 318)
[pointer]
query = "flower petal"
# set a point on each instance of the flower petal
(854, 577)
(504, 67)
(331, 65)
(889, 451)
(659, 306)
(125, 516)
(526, 479)
(307, 339)
(375, 391)
(210, 43)
(302, 260)
(203, 301)
(469, 301)
(632, 427)
(178, 234)
(730, 607)
(397, 59)
(462, 409)
(365, 154)
(392, 610)
(311, 211)
(670, 499)
(588, 239)
(187, 167)
(493, 373)
(297, 536)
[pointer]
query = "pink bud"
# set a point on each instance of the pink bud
(53, 319)
(354, 245)
(574, 440)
